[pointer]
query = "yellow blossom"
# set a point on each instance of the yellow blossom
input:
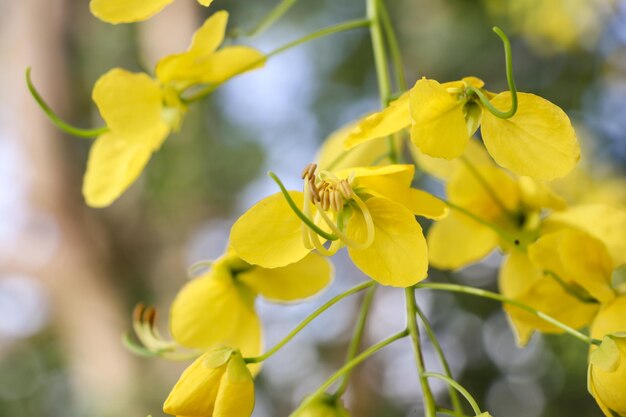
(538, 141)
(140, 112)
(126, 11)
(218, 307)
(323, 406)
(370, 210)
(217, 384)
(607, 363)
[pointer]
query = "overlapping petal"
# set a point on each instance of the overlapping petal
(126, 11)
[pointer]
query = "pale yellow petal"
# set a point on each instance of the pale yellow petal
(610, 319)
(205, 3)
(226, 63)
(131, 105)
(398, 257)
(235, 397)
(126, 11)
(113, 165)
(605, 223)
(537, 195)
(538, 141)
(211, 34)
(294, 282)
(438, 125)
(401, 173)
(270, 234)
(454, 243)
(392, 119)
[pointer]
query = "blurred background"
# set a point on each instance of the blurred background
(70, 275)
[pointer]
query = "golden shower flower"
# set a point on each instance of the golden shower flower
(537, 141)
(126, 11)
(140, 111)
(218, 307)
(370, 210)
(217, 384)
(322, 406)
(607, 363)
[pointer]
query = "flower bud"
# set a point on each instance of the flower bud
(322, 406)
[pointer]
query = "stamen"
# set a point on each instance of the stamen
(309, 171)
(344, 238)
(345, 189)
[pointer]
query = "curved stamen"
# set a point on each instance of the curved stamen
(367, 216)
(306, 240)
(342, 236)
(334, 246)
(199, 268)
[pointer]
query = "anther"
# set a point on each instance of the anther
(325, 199)
(345, 189)
(138, 312)
(336, 201)
(149, 316)
(315, 192)
(309, 171)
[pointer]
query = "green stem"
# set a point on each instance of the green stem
(430, 406)
(493, 296)
(508, 55)
(454, 397)
(309, 319)
(276, 13)
(500, 231)
(380, 61)
(349, 366)
(451, 382)
(452, 413)
(357, 336)
(58, 122)
(352, 24)
(298, 212)
(394, 48)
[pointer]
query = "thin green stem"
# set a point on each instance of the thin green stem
(309, 319)
(351, 365)
(352, 24)
(443, 410)
(58, 122)
(381, 64)
(454, 397)
(394, 48)
(451, 382)
(500, 231)
(357, 336)
(276, 13)
(494, 296)
(508, 55)
(430, 407)
(294, 207)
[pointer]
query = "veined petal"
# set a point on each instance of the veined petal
(269, 234)
(393, 118)
(126, 11)
(398, 256)
(113, 165)
(235, 397)
(538, 141)
(297, 281)
(454, 242)
(605, 223)
(438, 125)
(131, 105)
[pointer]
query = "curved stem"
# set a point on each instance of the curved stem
(451, 382)
(349, 366)
(454, 397)
(493, 296)
(394, 48)
(509, 77)
(382, 69)
(357, 336)
(276, 13)
(430, 407)
(309, 319)
(299, 212)
(452, 413)
(58, 122)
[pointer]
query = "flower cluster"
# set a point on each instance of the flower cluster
(558, 258)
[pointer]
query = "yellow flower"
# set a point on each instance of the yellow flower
(323, 406)
(370, 210)
(140, 111)
(126, 11)
(538, 141)
(218, 307)
(217, 384)
(607, 363)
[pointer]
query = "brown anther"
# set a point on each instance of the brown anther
(325, 200)
(309, 171)
(345, 189)
(336, 201)
(138, 312)
(149, 316)
(315, 193)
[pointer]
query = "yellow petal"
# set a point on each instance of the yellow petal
(131, 105)
(214, 310)
(401, 173)
(294, 282)
(454, 243)
(608, 384)
(211, 34)
(126, 11)
(398, 256)
(333, 155)
(438, 124)
(196, 390)
(225, 63)
(113, 165)
(538, 141)
(538, 195)
(235, 397)
(393, 118)
(270, 233)
(610, 318)
(605, 223)
(205, 3)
